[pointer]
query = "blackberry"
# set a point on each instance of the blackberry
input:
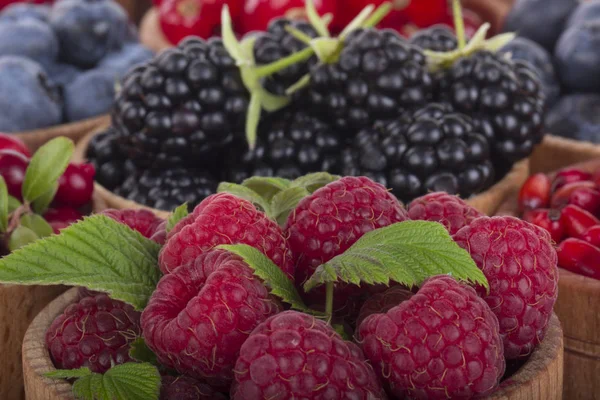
(276, 43)
(291, 143)
(377, 76)
(436, 38)
(112, 166)
(431, 149)
(505, 100)
(183, 107)
(167, 189)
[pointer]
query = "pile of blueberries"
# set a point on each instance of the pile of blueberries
(60, 63)
(562, 39)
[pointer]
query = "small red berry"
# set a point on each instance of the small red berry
(569, 175)
(60, 218)
(577, 221)
(12, 168)
(257, 14)
(592, 236)
(586, 198)
(76, 185)
(535, 193)
(550, 220)
(579, 257)
(561, 197)
(10, 142)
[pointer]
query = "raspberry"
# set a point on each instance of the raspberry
(442, 343)
(294, 355)
(143, 221)
(448, 210)
(329, 221)
(185, 388)
(95, 333)
(160, 234)
(202, 312)
(520, 265)
(383, 301)
(224, 219)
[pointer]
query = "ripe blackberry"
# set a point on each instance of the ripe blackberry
(378, 75)
(291, 144)
(431, 149)
(436, 38)
(183, 107)
(169, 188)
(112, 167)
(276, 43)
(505, 100)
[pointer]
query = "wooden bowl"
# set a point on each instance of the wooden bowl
(539, 379)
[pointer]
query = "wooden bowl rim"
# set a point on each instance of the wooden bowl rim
(37, 357)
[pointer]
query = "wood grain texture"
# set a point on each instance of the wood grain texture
(151, 35)
(539, 379)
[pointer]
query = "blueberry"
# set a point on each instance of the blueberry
(130, 55)
(90, 94)
(89, 29)
(539, 20)
(524, 49)
(29, 101)
(588, 11)
(29, 38)
(19, 11)
(578, 57)
(576, 116)
(62, 74)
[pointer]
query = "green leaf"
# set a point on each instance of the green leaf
(68, 373)
(42, 203)
(177, 215)
(139, 351)
(46, 166)
(20, 237)
(37, 224)
(270, 273)
(3, 205)
(406, 252)
(314, 181)
(13, 204)
(98, 253)
(89, 388)
(245, 193)
(266, 187)
(284, 202)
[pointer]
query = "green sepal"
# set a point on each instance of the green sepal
(177, 215)
(285, 201)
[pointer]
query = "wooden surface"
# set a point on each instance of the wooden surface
(150, 33)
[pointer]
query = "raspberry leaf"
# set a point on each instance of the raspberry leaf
(177, 215)
(37, 224)
(3, 205)
(13, 204)
(284, 202)
(246, 194)
(139, 351)
(68, 373)
(280, 285)
(98, 253)
(314, 181)
(42, 203)
(22, 236)
(406, 252)
(46, 166)
(266, 187)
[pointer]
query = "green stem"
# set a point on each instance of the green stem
(379, 14)
(298, 34)
(270, 69)
(329, 301)
(459, 24)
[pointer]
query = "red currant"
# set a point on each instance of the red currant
(257, 14)
(9, 142)
(12, 168)
(535, 192)
(61, 217)
(550, 220)
(75, 186)
(569, 175)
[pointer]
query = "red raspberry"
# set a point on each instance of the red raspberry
(383, 301)
(520, 264)
(441, 343)
(185, 388)
(224, 219)
(143, 221)
(201, 313)
(160, 234)
(76, 185)
(330, 220)
(448, 210)
(94, 332)
(294, 355)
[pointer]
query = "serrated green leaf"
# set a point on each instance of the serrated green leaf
(20, 237)
(37, 224)
(41, 204)
(266, 187)
(98, 253)
(284, 202)
(46, 166)
(177, 215)
(314, 181)
(132, 381)
(88, 387)
(139, 351)
(280, 285)
(406, 252)
(13, 204)
(3, 205)
(246, 194)
(68, 373)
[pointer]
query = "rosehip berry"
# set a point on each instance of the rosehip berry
(535, 192)
(9, 142)
(586, 198)
(60, 218)
(12, 168)
(569, 175)
(550, 220)
(257, 14)
(561, 197)
(76, 185)
(592, 236)
(580, 257)
(577, 221)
